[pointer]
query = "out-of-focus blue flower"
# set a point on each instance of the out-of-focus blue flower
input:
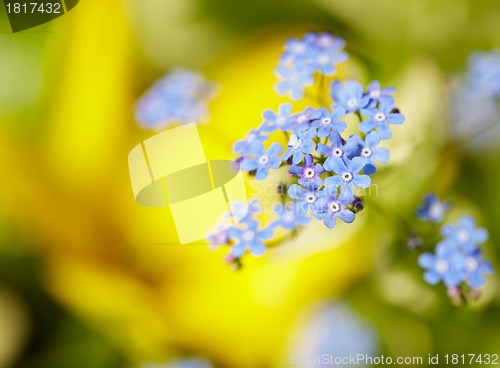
(309, 172)
(465, 234)
(475, 268)
(369, 152)
(335, 330)
(277, 121)
(377, 94)
(301, 121)
(180, 97)
(290, 216)
(316, 52)
(483, 78)
(326, 122)
(334, 207)
(293, 80)
(261, 160)
(243, 146)
(300, 145)
(335, 148)
(249, 238)
(432, 209)
(307, 198)
(445, 265)
(349, 95)
(347, 174)
(380, 118)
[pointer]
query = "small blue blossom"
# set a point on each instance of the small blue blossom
(475, 268)
(349, 95)
(277, 121)
(307, 198)
(377, 94)
(445, 265)
(293, 80)
(465, 234)
(290, 217)
(380, 119)
(301, 121)
(432, 209)
(335, 148)
(347, 174)
(483, 79)
(300, 145)
(243, 146)
(326, 122)
(180, 97)
(368, 151)
(262, 160)
(249, 239)
(334, 207)
(309, 172)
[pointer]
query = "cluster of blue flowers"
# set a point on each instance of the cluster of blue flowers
(180, 97)
(457, 259)
(328, 166)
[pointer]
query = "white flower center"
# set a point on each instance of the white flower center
(298, 48)
(323, 59)
(352, 103)
(375, 93)
(280, 121)
(436, 210)
(288, 217)
(251, 137)
(302, 119)
(335, 207)
(347, 177)
(380, 117)
(310, 198)
(338, 152)
(442, 266)
(326, 121)
(293, 78)
(264, 159)
(366, 152)
(309, 173)
(463, 236)
(248, 236)
(470, 264)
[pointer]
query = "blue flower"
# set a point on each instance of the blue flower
(290, 216)
(475, 268)
(302, 120)
(307, 198)
(281, 120)
(347, 174)
(292, 81)
(325, 122)
(334, 207)
(445, 265)
(178, 98)
(243, 146)
(249, 238)
(335, 148)
(432, 209)
(349, 95)
(377, 94)
(369, 152)
(465, 234)
(327, 53)
(380, 119)
(295, 51)
(309, 172)
(299, 145)
(483, 79)
(262, 160)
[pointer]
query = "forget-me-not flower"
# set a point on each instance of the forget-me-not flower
(262, 160)
(349, 95)
(308, 172)
(326, 122)
(380, 118)
(346, 174)
(249, 238)
(300, 145)
(432, 209)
